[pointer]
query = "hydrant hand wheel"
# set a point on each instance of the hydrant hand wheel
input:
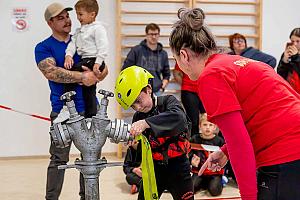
(67, 96)
(60, 135)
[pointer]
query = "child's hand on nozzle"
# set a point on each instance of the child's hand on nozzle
(68, 62)
(138, 127)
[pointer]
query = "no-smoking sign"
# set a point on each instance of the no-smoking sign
(21, 24)
(20, 19)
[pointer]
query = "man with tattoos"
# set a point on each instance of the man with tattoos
(49, 56)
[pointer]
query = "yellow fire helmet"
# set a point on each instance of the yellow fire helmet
(130, 83)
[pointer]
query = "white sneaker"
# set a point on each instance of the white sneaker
(224, 181)
(64, 115)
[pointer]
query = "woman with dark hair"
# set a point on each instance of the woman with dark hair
(238, 45)
(289, 65)
(256, 110)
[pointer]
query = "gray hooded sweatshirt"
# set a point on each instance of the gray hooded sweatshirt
(156, 62)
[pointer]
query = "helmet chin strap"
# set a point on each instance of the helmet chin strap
(155, 101)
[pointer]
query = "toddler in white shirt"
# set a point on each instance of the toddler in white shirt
(91, 43)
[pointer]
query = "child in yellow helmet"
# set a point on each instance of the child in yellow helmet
(163, 121)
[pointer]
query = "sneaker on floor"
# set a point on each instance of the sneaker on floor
(224, 181)
(64, 115)
(133, 189)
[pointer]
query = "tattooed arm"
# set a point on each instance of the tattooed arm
(60, 75)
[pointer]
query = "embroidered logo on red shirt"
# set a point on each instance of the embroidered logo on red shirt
(243, 62)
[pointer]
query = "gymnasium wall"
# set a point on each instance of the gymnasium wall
(23, 87)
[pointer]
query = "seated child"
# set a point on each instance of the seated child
(163, 121)
(132, 166)
(212, 181)
(91, 43)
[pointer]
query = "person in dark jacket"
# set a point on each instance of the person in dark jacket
(132, 166)
(163, 122)
(289, 64)
(149, 54)
(238, 45)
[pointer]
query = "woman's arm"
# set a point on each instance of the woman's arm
(241, 153)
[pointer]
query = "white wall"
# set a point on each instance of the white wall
(23, 87)
(279, 19)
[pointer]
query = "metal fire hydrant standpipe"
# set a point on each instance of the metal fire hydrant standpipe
(89, 140)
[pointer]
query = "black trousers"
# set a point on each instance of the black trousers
(88, 92)
(55, 177)
(212, 183)
(279, 182)
(133, 179)
(193, 107)
(174, 177)
(229, 171)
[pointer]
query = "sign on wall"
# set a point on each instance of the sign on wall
(19, 19)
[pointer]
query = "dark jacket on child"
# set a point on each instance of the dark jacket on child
(167, 136)
(212, 181)
(132, 159)
(169, 128)
(197, 139)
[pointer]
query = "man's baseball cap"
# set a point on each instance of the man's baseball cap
(55, 9)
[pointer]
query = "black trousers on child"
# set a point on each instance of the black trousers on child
(174, 177)
(88, 92)
(55, 176)
(212, 183)
(133, 179)
(279, 182)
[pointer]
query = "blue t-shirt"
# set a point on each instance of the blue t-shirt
(51, 47)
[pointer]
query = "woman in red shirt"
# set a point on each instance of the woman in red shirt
(257, 111)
